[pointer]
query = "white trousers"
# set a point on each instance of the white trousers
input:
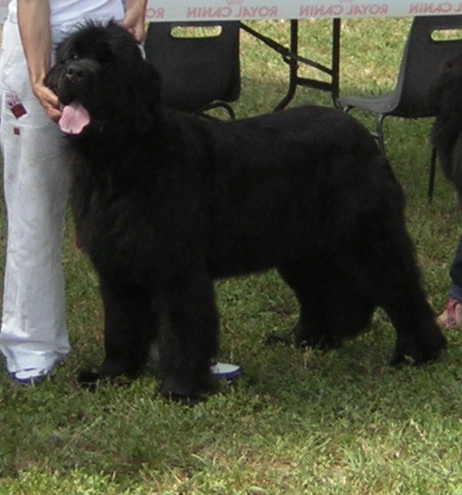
(33, 332)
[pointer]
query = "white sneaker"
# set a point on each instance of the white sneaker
(30, 376)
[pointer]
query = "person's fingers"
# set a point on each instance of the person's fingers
(49, 101)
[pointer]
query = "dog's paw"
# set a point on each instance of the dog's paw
(421, 352)
(187, 391)
(428, 355)
(88, 380)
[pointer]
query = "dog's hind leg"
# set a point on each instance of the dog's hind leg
(334, 304)
(188, 338)
(387, 256)
(129, 327)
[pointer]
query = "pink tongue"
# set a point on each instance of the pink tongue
(74, 118)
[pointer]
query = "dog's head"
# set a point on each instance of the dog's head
(445, 100)
(446, 87)
(103, 82)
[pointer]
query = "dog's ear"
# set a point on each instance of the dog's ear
(147, 97)
(445, 89)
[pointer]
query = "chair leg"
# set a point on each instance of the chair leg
(379, 134)
(431, 177)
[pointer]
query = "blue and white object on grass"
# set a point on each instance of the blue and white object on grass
(226, 371)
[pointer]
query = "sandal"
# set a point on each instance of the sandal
(451, 317)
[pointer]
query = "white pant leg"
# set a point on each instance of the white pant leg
(33, 332)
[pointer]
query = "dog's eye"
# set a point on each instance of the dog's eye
(106, 58)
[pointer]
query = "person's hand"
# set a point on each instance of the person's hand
(133, 21)
(49, 101)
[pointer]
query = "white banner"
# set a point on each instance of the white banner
(199, 10)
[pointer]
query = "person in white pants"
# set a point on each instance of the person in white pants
(33, 336)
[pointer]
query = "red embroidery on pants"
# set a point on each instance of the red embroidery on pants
(14, 104)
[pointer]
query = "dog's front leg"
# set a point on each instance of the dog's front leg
(188, 336)
(129, 328)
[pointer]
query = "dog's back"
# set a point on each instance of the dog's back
(309, 162)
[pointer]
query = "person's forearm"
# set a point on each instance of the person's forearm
(138, 4)
(134, 18)
(34, 26)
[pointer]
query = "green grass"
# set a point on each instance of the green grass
(298, 422)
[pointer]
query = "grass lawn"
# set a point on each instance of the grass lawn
(297, 422)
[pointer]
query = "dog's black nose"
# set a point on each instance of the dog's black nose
(74, 72)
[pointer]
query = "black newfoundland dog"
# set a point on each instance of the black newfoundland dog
(167, 202)
(445, 99)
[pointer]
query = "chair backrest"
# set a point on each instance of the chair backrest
(197, 68)
(423, 56)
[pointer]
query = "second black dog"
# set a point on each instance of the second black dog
(445, 99)
(165, 203)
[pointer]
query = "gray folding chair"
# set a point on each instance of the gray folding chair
(199, 70)
(423, 56)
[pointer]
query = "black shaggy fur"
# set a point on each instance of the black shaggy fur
(166, 202)
(446, 101)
